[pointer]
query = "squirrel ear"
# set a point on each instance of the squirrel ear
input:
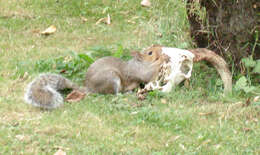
(136, 55)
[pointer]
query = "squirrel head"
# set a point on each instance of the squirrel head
(152, 53)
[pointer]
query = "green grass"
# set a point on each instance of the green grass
(194, 120)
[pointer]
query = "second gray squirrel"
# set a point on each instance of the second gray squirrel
(107, 75)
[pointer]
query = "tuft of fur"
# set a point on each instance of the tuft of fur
(43, 91)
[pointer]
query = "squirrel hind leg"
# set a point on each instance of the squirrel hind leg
(107, 82)
(113, 85)
(45, 98)
(117, 85)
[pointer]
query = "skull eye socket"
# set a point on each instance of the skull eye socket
(150, 53)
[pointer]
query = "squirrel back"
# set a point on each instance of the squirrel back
(43, 91)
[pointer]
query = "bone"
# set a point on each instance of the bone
(218, 62)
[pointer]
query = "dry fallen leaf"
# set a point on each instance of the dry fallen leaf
(75, 96)
(20, 137)
(106, 20)
(247, 129)
(49, 30)
(248, 102)
(100, 20)
(132, 22)
(146, 3)
(83, 19)
(60, 152)
(63, 71)
(134, 113)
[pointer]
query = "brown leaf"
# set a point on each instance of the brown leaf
(106, 20)
(247, 129)
(63, 71)
(60, 152)
(248, 102)
(75, 96)
(83, 19)
(146, 3)
(49, 30)
(20, 137)
(100, 20)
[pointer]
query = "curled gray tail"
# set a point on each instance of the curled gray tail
(45, 97)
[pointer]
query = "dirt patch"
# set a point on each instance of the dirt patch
(229, 28)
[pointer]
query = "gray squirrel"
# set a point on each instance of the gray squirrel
(107, 75)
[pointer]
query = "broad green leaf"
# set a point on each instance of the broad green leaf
(249, 62)
(248, 89)
(257, 67)
(119, 51)
(241, 83)
(86, 58)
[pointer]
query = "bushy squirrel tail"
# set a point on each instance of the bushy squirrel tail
(43, 91)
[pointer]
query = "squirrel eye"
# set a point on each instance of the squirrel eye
(150, 53)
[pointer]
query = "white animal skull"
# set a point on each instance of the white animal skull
(179, 68)
(173, 72)
(181, 62)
